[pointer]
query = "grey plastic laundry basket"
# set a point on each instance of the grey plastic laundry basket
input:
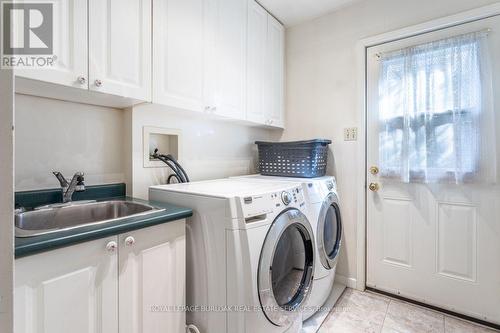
(304, 159)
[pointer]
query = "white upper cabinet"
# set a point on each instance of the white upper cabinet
(179, 37)
(256, 62)
(69, 45)
(227, 52)
(71, 289)
(221, 57)
(265, 68)
(275, 96)
(120, 47)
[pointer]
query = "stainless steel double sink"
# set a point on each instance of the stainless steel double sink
(62, 217)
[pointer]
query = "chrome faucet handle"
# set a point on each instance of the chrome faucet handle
(80, 182)
(61, 179)
(77, 184)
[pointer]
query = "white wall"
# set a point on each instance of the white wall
(53, 135)
(210, 148)
(322, 89)
(107, 144)
(6, 199)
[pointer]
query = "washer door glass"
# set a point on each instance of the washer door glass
(329, 232)
(286, 267)
(332, 231)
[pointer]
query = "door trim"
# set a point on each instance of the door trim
(361, 50)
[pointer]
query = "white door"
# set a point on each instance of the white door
(152, 277)
(433, 205)
(71, 289)
(179, 53)
(69, 45)
(227, 52)
(275, 72)
(256, 62)
(120, 47)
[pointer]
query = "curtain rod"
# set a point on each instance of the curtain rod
(486, 31)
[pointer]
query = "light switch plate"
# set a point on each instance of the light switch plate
(351, 134)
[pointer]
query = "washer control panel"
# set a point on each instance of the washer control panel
(286, 197)
(330, 186)
(268, 202)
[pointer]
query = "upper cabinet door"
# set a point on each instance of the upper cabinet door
(276, 72)
(69, 45)
(227, 73)
(179, 53)
(256, 62)
(120, 47)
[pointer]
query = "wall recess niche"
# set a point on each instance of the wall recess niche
(167, 140)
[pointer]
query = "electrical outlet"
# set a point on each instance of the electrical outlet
(351, 134)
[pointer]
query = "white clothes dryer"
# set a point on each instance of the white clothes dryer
(250, 254)
(324, 215)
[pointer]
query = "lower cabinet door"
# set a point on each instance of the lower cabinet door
(71, 289)
(152, 279)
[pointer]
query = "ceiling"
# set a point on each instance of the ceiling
(292, 12)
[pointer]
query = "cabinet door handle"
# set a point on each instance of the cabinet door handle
(81, 79)
(111, 246)
(98, 83)
(129, 241)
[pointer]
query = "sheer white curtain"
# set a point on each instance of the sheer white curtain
(435, 111)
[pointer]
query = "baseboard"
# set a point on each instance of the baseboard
(347, 281)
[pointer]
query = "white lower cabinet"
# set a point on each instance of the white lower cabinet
(71, 289)
(132, 282)
(152, 279)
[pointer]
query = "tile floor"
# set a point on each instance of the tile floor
(373, 313)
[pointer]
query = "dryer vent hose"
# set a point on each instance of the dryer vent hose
(179, 173)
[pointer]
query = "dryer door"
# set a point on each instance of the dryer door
(329, 231)
(286, 267)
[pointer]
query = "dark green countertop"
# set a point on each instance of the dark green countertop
(31, 245)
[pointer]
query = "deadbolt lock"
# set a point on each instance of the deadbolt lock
(374, 170)
(374, 187)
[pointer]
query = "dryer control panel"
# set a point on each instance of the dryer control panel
(270, 202)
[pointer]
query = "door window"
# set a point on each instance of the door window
(435, 111)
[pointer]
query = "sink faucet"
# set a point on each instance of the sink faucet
(76, 185)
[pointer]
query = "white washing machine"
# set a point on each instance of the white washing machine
(250, 254)
(324, 216)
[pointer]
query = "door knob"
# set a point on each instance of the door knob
(374, 170)
(374, 187)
